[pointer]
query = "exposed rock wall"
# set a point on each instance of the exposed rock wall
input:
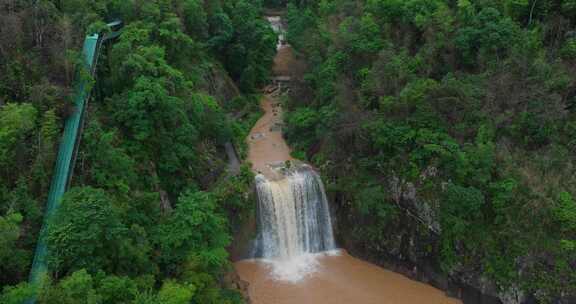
(220, 85)
(410, 247)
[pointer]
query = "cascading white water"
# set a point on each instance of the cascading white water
(278, 27)
(294, 222)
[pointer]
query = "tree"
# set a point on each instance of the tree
(247, 43)
(174, 293)
(196, 228)
(114, 289)
(174, 40)
(303, 123)
(16, 294)
(86, 232)
(78, 288)
(108, 165)
(16, 121)
(459, 210)
(153, 118)
(44, 14)
(12, 259)
(488, 35)
(565, 213)
(195, 19)
(46, 151)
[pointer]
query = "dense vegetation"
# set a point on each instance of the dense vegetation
(460, 111)
(466, 107)
(147, 219)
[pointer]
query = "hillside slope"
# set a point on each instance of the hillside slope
(446, 132)
(151, 208)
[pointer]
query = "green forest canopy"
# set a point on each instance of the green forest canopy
(146, 220)
(476, 96)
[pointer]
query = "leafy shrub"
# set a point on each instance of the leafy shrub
(569, 49)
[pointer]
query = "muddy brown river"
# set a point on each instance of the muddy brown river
(339, 279)
(335, 278)
(266, 146)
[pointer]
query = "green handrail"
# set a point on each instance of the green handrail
(65, 160)
(67, 151)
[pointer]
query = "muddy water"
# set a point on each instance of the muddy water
(266, 147)
(338, 280)
(335, 279)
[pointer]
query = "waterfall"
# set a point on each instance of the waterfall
(294, 221)
(278, 27)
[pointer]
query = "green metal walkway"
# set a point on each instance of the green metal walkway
(67, 151)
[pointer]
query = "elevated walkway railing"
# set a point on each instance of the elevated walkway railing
(67, 151)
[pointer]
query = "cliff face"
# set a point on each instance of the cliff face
(219, 84)
(408, 247)
(409, 244)
(387, 94)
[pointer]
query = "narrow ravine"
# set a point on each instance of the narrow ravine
(334, 277)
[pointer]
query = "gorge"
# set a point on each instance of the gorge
(295, 258)
(287, 151)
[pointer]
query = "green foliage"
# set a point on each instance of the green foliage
(97, 27)
(16, 120)
(49, 130)
(388, 138)
(487, 34)
(301, 21)
(565, 213)
(460, 209)
(420, 12)
(16, 294)
(115, 289)
(77, 288)
(109, 166)
(373, 202)
(195, 19)
(46, 154)
(461, 111)
(21, 200)
(303, 123)
(174, 293)
(366, 40)
(82, 287)
(569, 49)
(195, 228)
(86, 232)
(11, 257)
(246, 43)
(568, 7)
(534, 130)
(155, 127)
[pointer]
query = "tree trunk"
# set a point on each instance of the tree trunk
(165, 205)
